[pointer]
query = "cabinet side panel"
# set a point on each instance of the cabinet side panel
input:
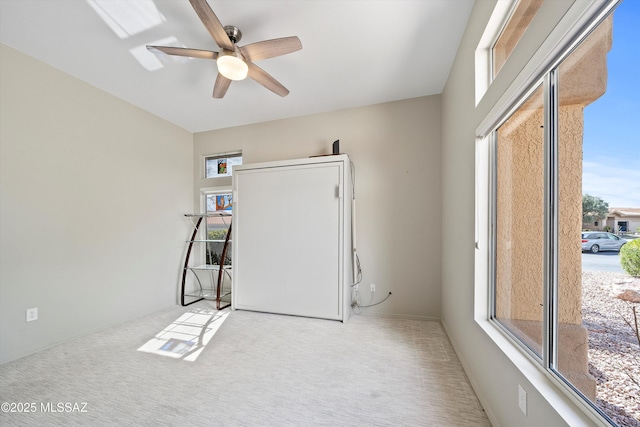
(348, 241)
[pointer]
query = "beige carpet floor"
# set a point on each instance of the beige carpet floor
(257, 369)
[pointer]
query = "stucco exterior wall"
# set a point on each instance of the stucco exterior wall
(571, 123)
(519, 238)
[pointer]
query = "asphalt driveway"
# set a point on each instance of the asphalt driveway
(602, 261)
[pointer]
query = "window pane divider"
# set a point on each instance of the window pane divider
(493, 191)
(550, 294)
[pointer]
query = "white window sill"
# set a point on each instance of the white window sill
(569, 407)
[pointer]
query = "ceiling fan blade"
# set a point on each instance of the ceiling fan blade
(182, 51)
(262, 77)
(271, 48)
(221, 86)
(212, 23)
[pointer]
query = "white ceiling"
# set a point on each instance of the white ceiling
(355, 53)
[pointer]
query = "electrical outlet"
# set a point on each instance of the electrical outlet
(522, 399)
(32, 314)
(373, 287)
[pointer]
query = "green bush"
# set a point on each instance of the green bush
(217, 234)
(630, 257)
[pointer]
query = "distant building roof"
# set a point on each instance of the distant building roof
(624, 211)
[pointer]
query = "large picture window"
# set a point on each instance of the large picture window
(559, 313)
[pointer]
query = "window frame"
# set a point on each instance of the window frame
(542, 67)
(216, 157)
(514, 8)
(493, 212)
(204, 193)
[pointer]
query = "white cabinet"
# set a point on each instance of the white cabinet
(292, 237)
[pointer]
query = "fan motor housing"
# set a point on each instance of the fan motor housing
(233, 32)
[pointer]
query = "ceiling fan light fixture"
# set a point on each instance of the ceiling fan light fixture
(233, 62)
(232, 67)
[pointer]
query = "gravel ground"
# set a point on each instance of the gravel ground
(614, 351)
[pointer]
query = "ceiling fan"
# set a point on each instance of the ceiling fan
(235, 62)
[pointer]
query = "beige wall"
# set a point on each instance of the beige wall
(92, 190)
(395, 148)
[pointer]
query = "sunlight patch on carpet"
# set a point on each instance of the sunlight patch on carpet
(187, 336)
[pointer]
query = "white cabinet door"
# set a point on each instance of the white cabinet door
(287, 247)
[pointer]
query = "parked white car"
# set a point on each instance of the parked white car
(596, 241)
